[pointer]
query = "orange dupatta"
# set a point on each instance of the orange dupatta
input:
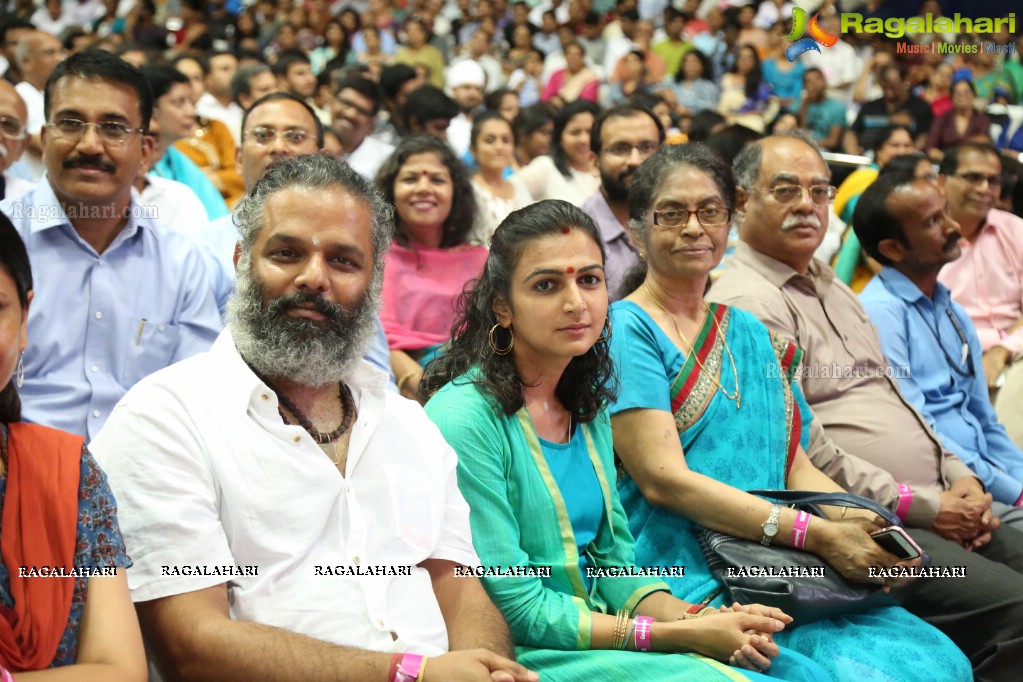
(38, 528)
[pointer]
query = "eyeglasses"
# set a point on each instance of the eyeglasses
(708, 216)
(264, 136)
(349, 104)
(977, 179)
(786, 194)
(622, 150)
(12, 129)
(111, 132)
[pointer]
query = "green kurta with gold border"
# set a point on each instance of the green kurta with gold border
(519, 518)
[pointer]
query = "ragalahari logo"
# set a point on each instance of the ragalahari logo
(818, 36)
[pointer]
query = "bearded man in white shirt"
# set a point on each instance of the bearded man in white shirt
(291, 519)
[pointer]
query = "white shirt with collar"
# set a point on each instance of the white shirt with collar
(209, 106)
(14, 186)
(224, 481)
(368, 157)
(174, 204)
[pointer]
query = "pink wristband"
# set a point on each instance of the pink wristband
(5, 675)
(644, 624)
(905, 499)
(799, 529)
(408, 668)
(1019, 502)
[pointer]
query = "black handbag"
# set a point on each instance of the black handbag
(810, 589)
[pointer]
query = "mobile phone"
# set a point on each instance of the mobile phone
(895, 540)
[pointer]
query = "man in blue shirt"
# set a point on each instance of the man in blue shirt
(905, 225)
(118, 296)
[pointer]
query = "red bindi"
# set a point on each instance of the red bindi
(565, 230)
(570, 269)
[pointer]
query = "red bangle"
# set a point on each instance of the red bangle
(905, 500)
(695, 609)
(392, 671)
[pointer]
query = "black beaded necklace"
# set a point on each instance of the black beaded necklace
(347, 405)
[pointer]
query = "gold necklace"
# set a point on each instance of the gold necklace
(737, 398)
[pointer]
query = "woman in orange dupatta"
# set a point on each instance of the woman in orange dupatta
(58, 529)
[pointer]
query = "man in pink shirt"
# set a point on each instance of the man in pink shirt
(987, 280)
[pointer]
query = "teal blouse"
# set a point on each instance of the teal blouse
(578, 484)
(519, 518)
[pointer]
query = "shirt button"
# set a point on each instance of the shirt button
(356, 560)
(264, 396)
(99, 315)
(297, 438)
(161, 328)
(380, 623)
(94, 368)
(95, 413)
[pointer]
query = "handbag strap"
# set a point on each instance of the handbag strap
(833, 499)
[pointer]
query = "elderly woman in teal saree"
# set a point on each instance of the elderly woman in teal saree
(707, 409)
(523, 393)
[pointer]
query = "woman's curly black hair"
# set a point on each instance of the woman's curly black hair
(463, 200)
(588, 383)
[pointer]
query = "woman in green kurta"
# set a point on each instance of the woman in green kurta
(522, 398)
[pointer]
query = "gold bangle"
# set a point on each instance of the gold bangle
(422, 669)
(844, 510)
(621, 628)
(405, 377)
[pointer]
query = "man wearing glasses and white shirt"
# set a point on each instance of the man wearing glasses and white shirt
(118, 295)
(13, 140)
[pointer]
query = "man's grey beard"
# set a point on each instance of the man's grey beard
(308, 352)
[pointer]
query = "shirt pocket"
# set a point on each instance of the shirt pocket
(413, 507)
(151, 347)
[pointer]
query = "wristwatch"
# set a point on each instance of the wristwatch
(770, 526)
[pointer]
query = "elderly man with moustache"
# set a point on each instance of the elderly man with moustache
(281, 454)
(37, 54)
(865, 433)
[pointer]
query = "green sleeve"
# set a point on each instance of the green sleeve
(614, 546)
(537, 615)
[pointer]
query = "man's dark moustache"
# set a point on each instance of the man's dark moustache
(80, 162)
(321, 304)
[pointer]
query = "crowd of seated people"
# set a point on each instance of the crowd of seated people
(310, 313)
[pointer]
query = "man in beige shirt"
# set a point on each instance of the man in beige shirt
(866, 436)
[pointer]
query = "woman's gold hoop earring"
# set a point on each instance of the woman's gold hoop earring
(605, 333)
(493, 344)
(19, 372)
